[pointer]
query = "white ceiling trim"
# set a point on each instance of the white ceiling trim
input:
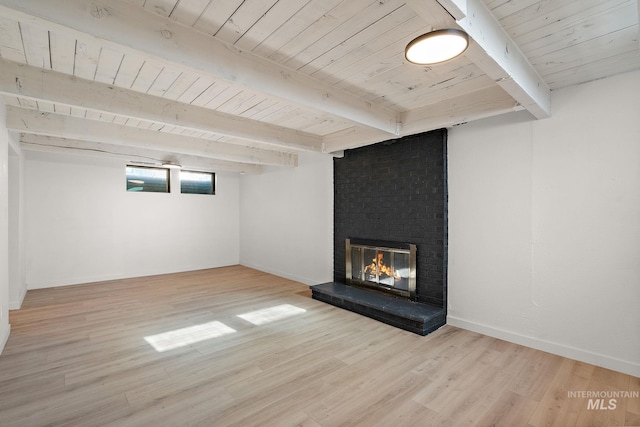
(129, 28)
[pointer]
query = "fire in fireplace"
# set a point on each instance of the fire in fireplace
(382, 266)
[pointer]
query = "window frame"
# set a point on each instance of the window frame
(166, 171)
(214, 182)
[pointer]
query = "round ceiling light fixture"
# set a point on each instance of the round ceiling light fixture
(436, 46)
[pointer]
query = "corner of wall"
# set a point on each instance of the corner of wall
(4, 226)
(4, 335)
(16, 302)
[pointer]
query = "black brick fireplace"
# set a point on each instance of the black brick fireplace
(394, 191)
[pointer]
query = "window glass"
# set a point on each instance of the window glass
(147, 179)
(197, 182)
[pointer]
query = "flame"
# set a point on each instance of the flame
(379, 266)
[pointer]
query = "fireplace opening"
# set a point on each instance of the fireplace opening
(386, 267)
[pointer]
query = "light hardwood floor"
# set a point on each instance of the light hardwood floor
(77, 356)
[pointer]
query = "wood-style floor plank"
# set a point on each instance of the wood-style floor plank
(77, 356)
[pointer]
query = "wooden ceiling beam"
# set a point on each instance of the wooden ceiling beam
(38, 84)
(59, 126)
(497, 55)
(48, 144)
(462, 109)
(353, 138)
(131, 29)
(465, 108)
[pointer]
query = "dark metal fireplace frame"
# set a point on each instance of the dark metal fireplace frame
(378, 247)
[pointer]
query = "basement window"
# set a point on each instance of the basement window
(197, 182)
(146, 179)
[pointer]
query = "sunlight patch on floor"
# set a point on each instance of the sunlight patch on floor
(189, 335)
(271, 314)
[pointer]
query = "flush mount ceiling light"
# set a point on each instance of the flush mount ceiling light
(171, 165)
(436, 46)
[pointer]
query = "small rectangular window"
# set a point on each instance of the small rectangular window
(147, 179)
(197, 182)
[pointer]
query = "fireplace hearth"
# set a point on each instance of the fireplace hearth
(381, 284)
(401, 313)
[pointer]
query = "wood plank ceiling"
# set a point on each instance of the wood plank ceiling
(233, 85)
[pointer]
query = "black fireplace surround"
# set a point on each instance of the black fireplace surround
(394, 191)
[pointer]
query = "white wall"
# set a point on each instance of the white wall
(17, 271)
(82, 225)
(544, 225)
(287, 220)
(4, 229)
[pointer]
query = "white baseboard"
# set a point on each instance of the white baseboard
(5, 330)
(70, 281)
(586, 356)
(305, 280)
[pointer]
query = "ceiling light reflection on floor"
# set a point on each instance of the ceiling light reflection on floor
(271, 314)
(189, 335)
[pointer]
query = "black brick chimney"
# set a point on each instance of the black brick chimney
(397, 191)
